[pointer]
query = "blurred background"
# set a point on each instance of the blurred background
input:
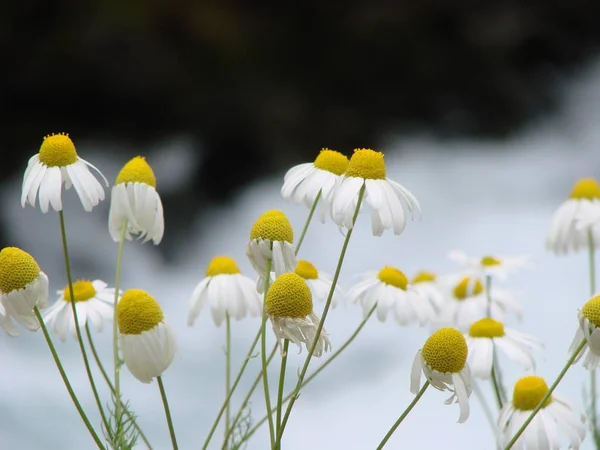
(486, 111)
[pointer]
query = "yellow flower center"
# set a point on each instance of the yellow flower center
(424, 277)
(486, 328)
(307, 270)
(367, 164)
(529, 392)
(137, 312)
(331, 161)
(586, 188)
(468, 288)
(289, 296)
(490, 261)
(446, 350)
(273, 226)
(591, 311)
(137, 170)
(57, 150)
(392, 276)
(82, 290)
(17, 269)
(222, 265)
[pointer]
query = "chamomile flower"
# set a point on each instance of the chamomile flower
(588, 329)
(228, 292)
(303, 183)
(271, 238)
(147, 341)
(443, 361)
(135, 201)
(557, 416)
(57, 163)
(486, 336)
(23, 286)
(320, 282)
(390, 291)
(426, 285)
(289, 307)
(94, 302)
(582, 208)
(495, 266)
(387, 199)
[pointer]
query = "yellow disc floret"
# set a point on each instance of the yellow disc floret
(587, 189)
(591, 311)
(289, 296)
(467, 287)
(222, 265)
(17, 269)
(394, 277)
(367, 164)
(490, 261)
(137, 170)
(331, 161)
(82, 290)
(529, 392)
(137, 312)
(424, 277)
(307, 270)
(273, 226)
(57, 150)
(445, 350)
(486, 328)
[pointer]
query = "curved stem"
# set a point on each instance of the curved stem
(116, 360)
(286, 344)
(263, 353)
(163, 396)
(307, 223)
(227, 372)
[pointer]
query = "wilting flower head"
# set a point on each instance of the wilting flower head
(228, 292)
(386, 198)
(289, 306)
(443, 360)
(320, 282)
(147, 341)
(497, 266)
(57, 163)
(589, 323)
(134, 199)
(23, 286)
(557, 415)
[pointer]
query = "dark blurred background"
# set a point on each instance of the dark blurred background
(272, 82)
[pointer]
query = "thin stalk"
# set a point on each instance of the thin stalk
(496, 387)
(116, 360)
(307, 223)
(227, 372)
(163, 396)
(486, 408)
(263, 353)
(496, 375)
(286, 344)
(593, 382)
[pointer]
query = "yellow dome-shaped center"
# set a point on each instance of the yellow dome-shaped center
(289, 296)
(446, 350)
(17, 269)
(82, 290)
(137, 312)
(307, 270)
(490, 261)
(529, 392)
(394, 277)
(486, 328)
(591, 311)
(586, 188)
(331, 161)
(366, 163)
(424, 277)
(273, 226)
(222, 265)
(58, 150)
(467, 287)
(137, 170)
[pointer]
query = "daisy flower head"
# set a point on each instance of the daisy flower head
(57, 163)
(94, 302)
(494, 266)
(486, 336)
(228, 291)
(588, 329)
(305, 182)
(366, 176)
(134, 201)
(320, 282)
(582, 208)
(147, 341)
(556, 417)
(289, 307)
(443, 361)
(426, 285)
(271, 239)
(23, 286)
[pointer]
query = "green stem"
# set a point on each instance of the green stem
(496, 386)
(547, 396)
(403, 416)
(486, 408)
(116, 360)
(286, 344)
(263, 353)
(227, 372)
(63, 375)
(163, 396)
(496, 375)
(593, 386)
(307, 223)
(77, 328)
